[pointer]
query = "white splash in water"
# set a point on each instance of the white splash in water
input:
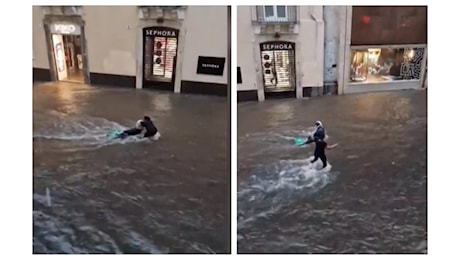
(278, 185)
(90, 129)
(295, 175)
(87, 131)
(48, 197)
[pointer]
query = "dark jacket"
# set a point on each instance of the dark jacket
(150, 128)
(320, 133)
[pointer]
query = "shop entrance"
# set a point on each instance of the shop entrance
(160, 56)
(278, 66)
(68, 57)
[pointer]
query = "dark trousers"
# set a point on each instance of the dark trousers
(323, 158)
(132, 131)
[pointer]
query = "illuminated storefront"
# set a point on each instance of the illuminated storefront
(278, 66)
(377, 65)
(388, 49)
(66, 48)
(160, 52)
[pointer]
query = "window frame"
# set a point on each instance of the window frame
(275, 16)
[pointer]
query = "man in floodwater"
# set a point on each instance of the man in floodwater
(320, 151)
(150, 128)
(320, 133)
(143, 125)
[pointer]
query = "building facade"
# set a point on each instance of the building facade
(303, 51)
(280, 51)
(176, 48)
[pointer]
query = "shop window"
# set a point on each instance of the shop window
(164, 51)
(377, 65)
(160, 50)
(278, 66)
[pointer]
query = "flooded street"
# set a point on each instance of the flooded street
(96, 195)
(372, 197)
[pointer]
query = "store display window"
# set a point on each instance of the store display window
(375, 65)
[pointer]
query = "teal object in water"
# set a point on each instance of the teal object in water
(299, 141)
(113, 133)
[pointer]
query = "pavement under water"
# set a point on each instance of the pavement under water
(372, 199)
(95, 195)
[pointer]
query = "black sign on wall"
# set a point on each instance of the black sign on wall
(210, 65)
(238, 75)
